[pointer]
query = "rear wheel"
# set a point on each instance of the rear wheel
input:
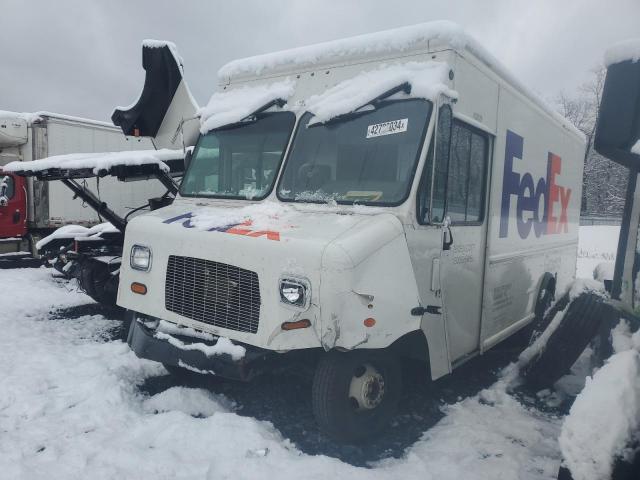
(355, 394)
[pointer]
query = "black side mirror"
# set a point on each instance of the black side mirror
(187, 158)
(618, 128)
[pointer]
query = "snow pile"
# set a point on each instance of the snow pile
(231, 106)
(636, 148)
(190, 401)
(98, 162)
(605, 418)
(622, 51)
(379, 43)
(604, 271)
(428, 80)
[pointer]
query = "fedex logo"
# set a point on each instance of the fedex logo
(542, 205)
(233, 228)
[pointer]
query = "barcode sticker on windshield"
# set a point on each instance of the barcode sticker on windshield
(387, 128)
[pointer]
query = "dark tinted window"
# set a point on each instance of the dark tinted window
(368, 158)
(9, 189)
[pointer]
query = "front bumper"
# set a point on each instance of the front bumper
(145, 344)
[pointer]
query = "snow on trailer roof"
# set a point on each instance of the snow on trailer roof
(403, 41)
(98, 162)
(34, 117)
(622, 51)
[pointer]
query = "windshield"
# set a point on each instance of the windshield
(240, 161)
(368, 157)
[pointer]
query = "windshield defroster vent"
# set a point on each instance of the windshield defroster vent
(214, 293)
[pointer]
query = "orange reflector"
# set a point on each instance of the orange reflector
(369, 322)
(139, 288)
(296, 325)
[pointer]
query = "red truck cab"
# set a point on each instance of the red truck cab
(13, 206)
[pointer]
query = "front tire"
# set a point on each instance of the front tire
(355, 394)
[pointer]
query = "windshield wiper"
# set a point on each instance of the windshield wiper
(403, 87)
(253, 116)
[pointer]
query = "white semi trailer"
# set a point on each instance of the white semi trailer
(351, 203)
(35, 208)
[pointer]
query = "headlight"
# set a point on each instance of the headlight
(294, 292)
(140, 258)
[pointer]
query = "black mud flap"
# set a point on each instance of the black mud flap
(165, 105)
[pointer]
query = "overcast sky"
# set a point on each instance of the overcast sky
(84, 57)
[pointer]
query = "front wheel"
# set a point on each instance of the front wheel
(355, 394)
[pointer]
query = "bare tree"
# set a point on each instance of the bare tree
(604, 182)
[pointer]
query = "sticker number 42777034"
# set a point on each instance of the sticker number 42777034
(387, 128)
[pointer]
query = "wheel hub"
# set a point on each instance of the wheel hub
(366, 389)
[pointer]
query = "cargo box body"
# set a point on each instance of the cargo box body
(50, 204)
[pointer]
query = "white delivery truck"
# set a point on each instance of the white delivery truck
(35, 208)
(352, 203)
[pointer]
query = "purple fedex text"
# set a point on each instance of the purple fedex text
(552, 217)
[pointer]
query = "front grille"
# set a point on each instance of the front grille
(213, 293)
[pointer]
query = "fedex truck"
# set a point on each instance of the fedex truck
(32, 209)
(353, 203)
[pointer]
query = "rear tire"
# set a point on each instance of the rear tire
(355, 394)
(97, 281)
(576, 330)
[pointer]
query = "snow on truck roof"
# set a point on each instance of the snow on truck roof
(424, 79)
(98, 162)
(622, 51)
(387, 44)
(231, 106)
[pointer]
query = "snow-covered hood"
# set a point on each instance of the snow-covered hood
(268, 222)
(335, 250)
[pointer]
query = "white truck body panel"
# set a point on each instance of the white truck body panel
(381, 262)
(51, 204)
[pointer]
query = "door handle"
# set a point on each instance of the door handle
(432, 309)
(447, 240)
(16, 216)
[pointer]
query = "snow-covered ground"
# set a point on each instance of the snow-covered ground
(75, 402)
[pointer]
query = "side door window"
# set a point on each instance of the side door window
(434, 179)
(454, 178)
(464, 198)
